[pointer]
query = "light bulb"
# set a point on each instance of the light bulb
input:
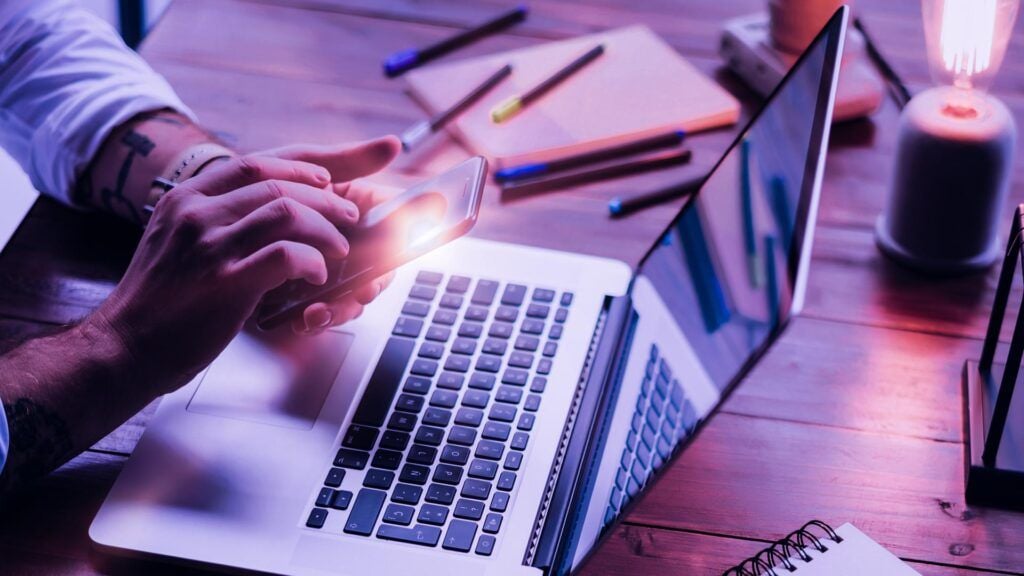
(966, 42)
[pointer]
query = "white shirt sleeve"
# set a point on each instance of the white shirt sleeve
(66, 81)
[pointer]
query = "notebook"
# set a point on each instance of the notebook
(818, 550)
(639, 87)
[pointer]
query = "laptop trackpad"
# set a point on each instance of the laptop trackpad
(275, 380)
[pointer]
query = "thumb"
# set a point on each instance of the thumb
(348, 161)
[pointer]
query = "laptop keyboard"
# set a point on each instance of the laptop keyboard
(443, 425)
(662, 419)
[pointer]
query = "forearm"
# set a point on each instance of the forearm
(63, 393)
(119, 179)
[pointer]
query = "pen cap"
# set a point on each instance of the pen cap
(415, 134)
(399, 62)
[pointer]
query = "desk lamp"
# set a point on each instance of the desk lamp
(955, 146)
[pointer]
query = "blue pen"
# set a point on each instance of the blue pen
(401, 62)
(526, 171)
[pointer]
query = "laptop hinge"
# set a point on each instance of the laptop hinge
(583, 428)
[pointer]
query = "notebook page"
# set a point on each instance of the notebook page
(856, 555)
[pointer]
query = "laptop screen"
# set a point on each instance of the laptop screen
(716, 287)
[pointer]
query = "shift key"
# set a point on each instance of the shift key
(365, 511)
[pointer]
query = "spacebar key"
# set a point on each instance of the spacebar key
(365, 512)
(380, 390)
(422, 535)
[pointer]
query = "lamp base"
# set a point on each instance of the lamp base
(1001, 485)
(938, 266)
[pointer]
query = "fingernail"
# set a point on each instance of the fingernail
(320, 319)
(323, 177)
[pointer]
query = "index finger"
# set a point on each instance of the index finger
(246, 170)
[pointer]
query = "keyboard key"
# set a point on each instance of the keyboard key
(485, 545)
(555, 333)
(469, 509)
(513, 295)
(478, 489)
(464, 346)
(476, 313)
(457, 364)
(433, 514)
(447, 474)
(481, 381)
(402, 421)
(458, 284)
(496, 431)
(438, 333)
(365, 511)
(399, 514)
(519, 441)
(566, 299)
(539, 384)
(455, 454)
(471, 329)
(450, 380)
(394, 440)
(379, 479)
(387, 459)
(462, 436)
(422, 535)
(527, 343)
(492, 523)
(422, 367)
(503, 413)
(483, 469)
(490, 450)
(521, 360)
(488, 363)
(431, 350)
(416, 308)
(323, 499)
(409, 403)
(506, 314)
(408, 327)
(544, 366)
(420, 454)
(513, 460)
(387, 376)
(495, 346)
(421, 292)
(451, 301)
(508, 394)
(532, 326)
(526, 422)
(417, 385)
(515, 376)
(406, 494)
(334, 477)
(538, 311)
(444, 398)
(414, 474)
(469, 416)
(355, 459)
(459, 536)
(360, 437)
(532, 403)
(317, 517)
(445, 317)
(484, 292)
(430, 436)
(341, 499)
(507, 481)
(429, 278)
(499, 502)
(561, 315)
(437, 417)
(543, 295)
(500, 330)
(550, 349)
(439, 494)
(476, 398)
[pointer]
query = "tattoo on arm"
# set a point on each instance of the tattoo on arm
(114, 198)
(40, 441)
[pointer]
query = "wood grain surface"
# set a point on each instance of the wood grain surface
(853, 417)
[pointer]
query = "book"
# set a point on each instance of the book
(639, 87)
(818, 550)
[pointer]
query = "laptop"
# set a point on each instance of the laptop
(499, 408)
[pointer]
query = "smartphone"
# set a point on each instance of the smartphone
(387, 236)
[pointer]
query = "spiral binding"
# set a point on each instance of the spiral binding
(783, 552)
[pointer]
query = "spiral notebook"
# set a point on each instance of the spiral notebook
(818, 550)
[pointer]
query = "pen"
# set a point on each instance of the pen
(401, 62)
(754, 268)
(513, 105)
(417, 132)
(566, 162)
(592, 174)
(619, 207)
(897, 89)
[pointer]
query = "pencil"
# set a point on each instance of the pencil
(417, 132)
(619, 207)
(401, 62)
(513, 105)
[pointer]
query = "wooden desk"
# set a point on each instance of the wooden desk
(854, 416)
